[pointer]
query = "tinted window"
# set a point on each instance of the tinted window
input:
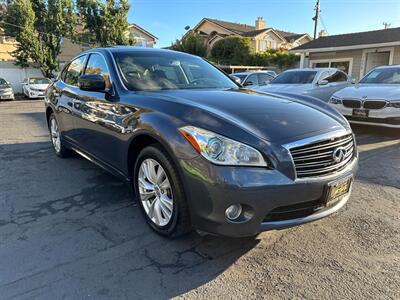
(386, 76)
(295, 77)
(263, 78)
(97, 65)
(168, 70)
(252, 79)
(2, 81)
(74, 70)
(337, 77)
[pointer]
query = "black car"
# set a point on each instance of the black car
(199, 151)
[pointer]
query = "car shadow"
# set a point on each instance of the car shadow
(69, 228)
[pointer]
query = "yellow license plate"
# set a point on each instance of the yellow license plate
(337, 189)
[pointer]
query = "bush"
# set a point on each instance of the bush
(232, 50)
(191, 43)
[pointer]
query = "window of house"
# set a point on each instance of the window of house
(97, 65)
(141, 43)
(74, 70)
(341, 65)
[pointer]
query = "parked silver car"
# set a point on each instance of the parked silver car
(6, 92)
(34, 87)
(320, 83)
(254, 79)
(374, 101)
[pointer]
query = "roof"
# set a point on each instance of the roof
(143, 30)
(353, 39)
(250, 31)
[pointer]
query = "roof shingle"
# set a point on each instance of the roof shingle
(352, 39)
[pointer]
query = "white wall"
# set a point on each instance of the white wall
(15, 74)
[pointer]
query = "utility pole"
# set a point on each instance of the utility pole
(386, 24)
(315, 19)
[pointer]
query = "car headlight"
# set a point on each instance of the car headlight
(221, 150)
(335, 100)
(395, 104)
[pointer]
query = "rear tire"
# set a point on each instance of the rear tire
(159, 192)
(55, 137)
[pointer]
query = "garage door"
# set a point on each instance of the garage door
(376, 59)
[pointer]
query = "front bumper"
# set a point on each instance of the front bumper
(261, 192)
(8, 96)
(386, 117)
(36, 94)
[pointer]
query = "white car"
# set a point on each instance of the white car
(320, 83)
(35, 87)
(374, 101)
(6, 92)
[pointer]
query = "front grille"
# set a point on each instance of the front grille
(317, 159)
(374, 104)
(351, 103)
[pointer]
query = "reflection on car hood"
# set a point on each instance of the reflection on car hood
(299, 88)
(269, 117)
(371, 91)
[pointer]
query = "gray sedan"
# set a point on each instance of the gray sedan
(374, 101)
(320, 83)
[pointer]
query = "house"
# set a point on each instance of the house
(142, 37)
(262, 37)
(354, 53)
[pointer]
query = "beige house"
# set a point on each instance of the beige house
(262, 37)
(354, 53)
(142, 37)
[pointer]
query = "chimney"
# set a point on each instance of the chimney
(322, 33)
(260, 23)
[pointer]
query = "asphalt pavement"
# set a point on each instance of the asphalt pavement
(69, 230)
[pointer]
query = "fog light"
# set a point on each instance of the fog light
(233, 212)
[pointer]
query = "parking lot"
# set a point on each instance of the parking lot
(70, 230)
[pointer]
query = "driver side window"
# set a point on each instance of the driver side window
(252, 79)
(74, 70)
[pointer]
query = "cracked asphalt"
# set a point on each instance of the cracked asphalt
(69, 230)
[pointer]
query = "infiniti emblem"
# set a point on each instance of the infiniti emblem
(339, 154)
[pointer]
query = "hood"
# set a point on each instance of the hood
(371, 91)
(270, 117)
(289, 88)
(39, 86)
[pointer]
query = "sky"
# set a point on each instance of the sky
(167, 18)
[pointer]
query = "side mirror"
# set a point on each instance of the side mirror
(235, 79)
(323, 82)
(92, 82)
(353, 81)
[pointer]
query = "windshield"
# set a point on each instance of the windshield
(385, 76)
(144, 71)
(295, 77)
(39, 81)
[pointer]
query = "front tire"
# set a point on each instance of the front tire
(159, 193)
(55, 136)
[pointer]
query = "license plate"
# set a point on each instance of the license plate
(359, 112)
(337, 189)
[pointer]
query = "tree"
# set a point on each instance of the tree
(280, 58)
(38, 26)
(232, 50)
(105, 22)
(191, 43)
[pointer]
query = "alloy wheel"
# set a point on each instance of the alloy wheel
(55, 135)
(155, 192)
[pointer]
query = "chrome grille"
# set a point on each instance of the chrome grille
(374, 104)
(317, 159)
(351, 103)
